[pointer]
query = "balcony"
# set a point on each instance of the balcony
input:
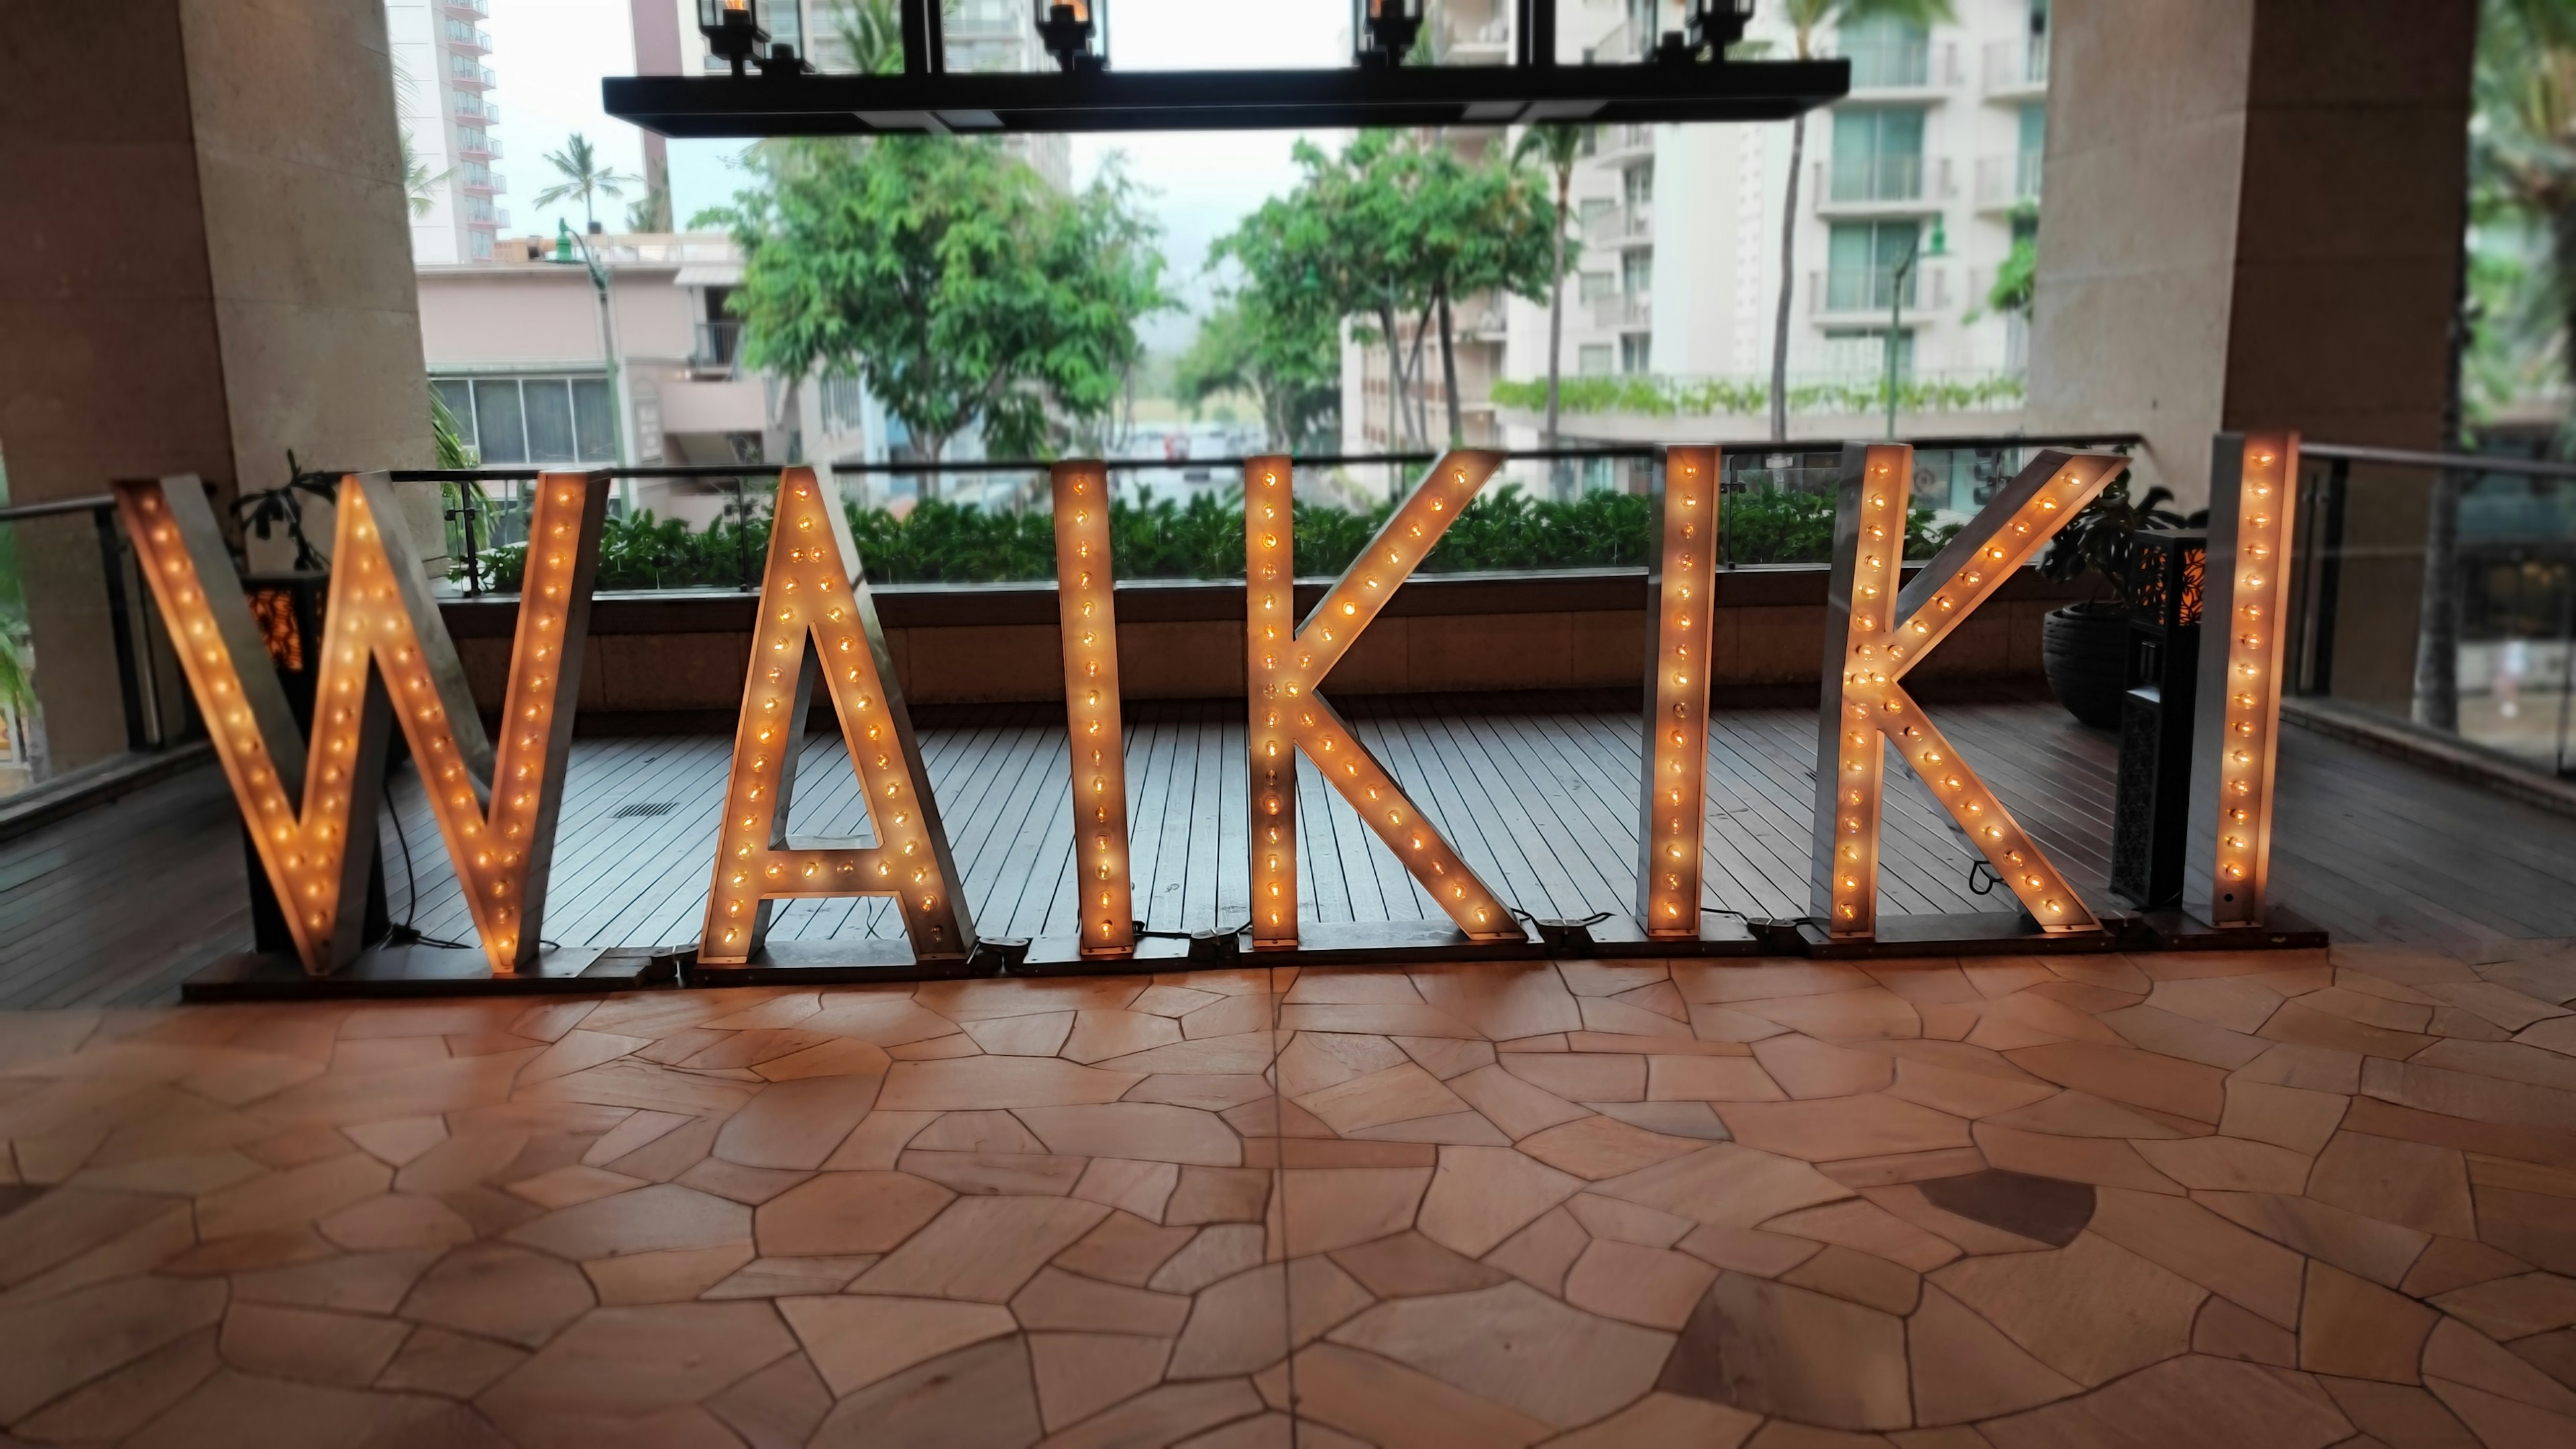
(1862, 183)
(1623, 141)
(714, 348)
(1621, 226)
(1623, 311)
(474, 78)
(482, 181)
(1891, 65)
(2004, 182)
(467, 39)
(2015, 70)
(1867, 293)
(476, 144)
(1488, 43)
(477, 8)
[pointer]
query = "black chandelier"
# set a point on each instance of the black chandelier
(1685, 77)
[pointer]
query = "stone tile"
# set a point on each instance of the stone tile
(833, 1057)
(2081, 1114)
(1375, 1020)
(1064, 1302)
(1079, 1374)
(1334, 987)
(2191, 1400)
(1588, 1076)
(2450, 1263)
(1859, 1224)
(1219, 1251)
(1672, 1119)
(2533, 1226)
(1501, 1002)
(647, 1220)
(1395, 1094)
(2378, 1251)
(1162, 999)
(1039, 1035)
(1514, 1346)
(1454, 1128)
(122, 1402)
(1446, 1057)
(1871, 1013)
(969, 1083)
(2457, 1354)
(1250, 1051)
(2102, 1162)
(1141, 1131)
(1409, 1265)
(976, 1132)
(351, 1282)
(631, 1082)
(1321, 1209)
(1964, 1368)
(1142, 1188)
(785, 1277)
(59, 1343)
(2048, 1303)
(795, 1125)
(2301, 1121)
(856, 1340)
(1651, 1287)
(936, 1049)
(298, 1195)
(979, 1395)
(274, 1412)
(2229, 1164)
(2038, 1209)
(2507, 1308)
(453, 1365)
(1858, 1277)
(750, 1186)
(1384, 1402)
(2355, 1329)
(397, 1142)
(2151, 1029)
(1594, 1148)
(494, 1290)
(2398, 1414)
(1805, 1067)
(1172, 1413)
(2411, 1183)
(1512, 1103)
(673, 1275)
(1769, 1348)
(1666, 1421)
(1659, 1013)
(1125, 1249)
(2228, 1331)
(1099, 1035)
(981, 1249)
(568, 1186)
(1543, 1252)
(1209, 1091)
(1821, 1131)
(2126, 1074)
(2234, 1003)
(1481, 1195)
(2302, 1023)
(309, 1344)
(848, 1213)
(780, 1405)
(2207, 1249)
(1218, 1195)
(1714, 1079)
(1726, 1024)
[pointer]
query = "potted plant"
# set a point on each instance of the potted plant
(2084, 647)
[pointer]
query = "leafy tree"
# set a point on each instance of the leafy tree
(1556, 146)
(1806, 17)
(872, 33)
(420, 188)
(652, 211)
(1279, 336)
(947, 276)
(1484, 228)
(585, 176)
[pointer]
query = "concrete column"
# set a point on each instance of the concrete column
(2253, 220)
(215, 266)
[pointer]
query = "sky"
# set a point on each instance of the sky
(550, 56)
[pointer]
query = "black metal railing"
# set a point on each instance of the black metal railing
(53, 563)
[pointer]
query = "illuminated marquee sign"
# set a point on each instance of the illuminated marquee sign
(2252, 490)
(385, 656)
(813, 592)
(1087, 610)
(1875, 635)
(1285, 661)
(1672, 798)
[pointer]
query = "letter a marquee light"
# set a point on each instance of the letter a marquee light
(1086, 605)
(813, 588)
(2252, 494)
(1883, 636)
(381, 631)
(1283, 665)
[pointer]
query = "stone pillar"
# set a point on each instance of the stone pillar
(214, 267)
(2253, 220)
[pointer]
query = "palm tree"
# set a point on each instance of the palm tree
(1557, 145)
(1806, 17)
(583, 176)
(420, 188)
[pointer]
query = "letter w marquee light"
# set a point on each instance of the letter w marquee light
(1672, 799)
(813, 591)
(2253, 486)
(381, 630)
(1086, 605)
(1284, 663)
(1874, 636)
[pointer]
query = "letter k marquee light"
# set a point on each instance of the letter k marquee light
(1874, 636)
(813, 590)
(1285, 662)
(385, 656)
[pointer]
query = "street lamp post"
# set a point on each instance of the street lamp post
(565, 241)
(1896, 307)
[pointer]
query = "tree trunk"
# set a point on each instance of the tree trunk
(1449, 368)
(1788, 276)
(1413, 368)
(1394, 377)
(1556, 334)
(2437, 641)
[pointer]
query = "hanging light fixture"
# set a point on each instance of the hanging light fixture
(733, 30)
(1709, 28)
(1069, 29)
(1383, 31)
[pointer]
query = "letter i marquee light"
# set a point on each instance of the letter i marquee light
(1874, 636)
(385, 655)
(2252, 489)
(1285, 662)
(1086, 605)
(813, 590)
(1673, 797)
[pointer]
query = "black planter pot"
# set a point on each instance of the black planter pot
(2086, 656)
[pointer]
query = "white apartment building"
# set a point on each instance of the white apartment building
(443, 99)
(1936, 149)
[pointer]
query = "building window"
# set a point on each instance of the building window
(1637, 185)
(1592, 208)
(1593, 360)
(1861, 353)
(1637, 273)
(1878, 154)
(1887, 52)
(478, 245)
(1597, 286)
(1636, 354)
(542, 420)
(844, 405)
(2034, 145)
(1861, 262)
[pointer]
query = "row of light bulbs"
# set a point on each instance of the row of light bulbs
(2255, 588)
(1675, 794)
(1087, 609)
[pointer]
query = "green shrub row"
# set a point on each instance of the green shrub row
(940, 542)
(1666, 397)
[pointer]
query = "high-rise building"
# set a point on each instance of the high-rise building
(443, 100)
(1929, 170)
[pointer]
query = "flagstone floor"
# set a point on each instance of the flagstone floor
(2276, 1201)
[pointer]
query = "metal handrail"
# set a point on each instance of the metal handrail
(2459, 462)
